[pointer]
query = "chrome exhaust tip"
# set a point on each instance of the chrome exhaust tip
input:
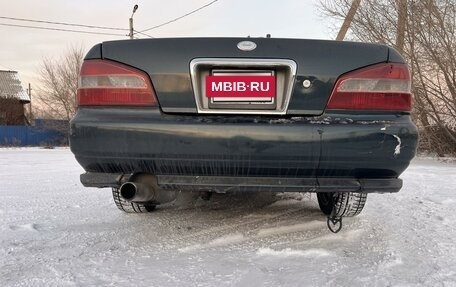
(143, 188)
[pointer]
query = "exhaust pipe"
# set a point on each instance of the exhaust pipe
(135, 192)
(144, 188)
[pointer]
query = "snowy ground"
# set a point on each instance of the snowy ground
(54, 232)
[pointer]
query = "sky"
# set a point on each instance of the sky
(23, 49)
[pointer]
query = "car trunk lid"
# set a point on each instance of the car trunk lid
(305, 70)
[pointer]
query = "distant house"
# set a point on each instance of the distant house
(12, 99)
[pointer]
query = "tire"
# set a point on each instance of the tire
(345, 204)
(130, 207)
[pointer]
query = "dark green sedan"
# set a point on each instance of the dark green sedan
(160, 116)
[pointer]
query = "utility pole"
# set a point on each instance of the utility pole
(401, 22)
(130, 22)
(348, 19)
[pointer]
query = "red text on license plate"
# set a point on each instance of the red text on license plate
(240, 86)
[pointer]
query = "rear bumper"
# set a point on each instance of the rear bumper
(330, 153)
(223, 184)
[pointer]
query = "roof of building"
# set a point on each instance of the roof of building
(10, 86)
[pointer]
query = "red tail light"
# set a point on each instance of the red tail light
(107, 83)
(384, 87)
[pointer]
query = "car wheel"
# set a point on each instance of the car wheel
(341, 204)
(130, 207)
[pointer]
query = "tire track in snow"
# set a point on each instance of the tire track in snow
(227, 229)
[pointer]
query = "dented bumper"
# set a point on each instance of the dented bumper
(333, 152)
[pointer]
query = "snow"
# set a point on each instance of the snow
(289, 252)
(397, 149)
(54, 232)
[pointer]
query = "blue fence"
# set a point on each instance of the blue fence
(30, 136)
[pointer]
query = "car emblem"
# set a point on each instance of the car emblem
(246, 46)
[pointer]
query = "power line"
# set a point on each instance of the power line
(61, 23)
(144, 34)
(63, 30)
(180, 17)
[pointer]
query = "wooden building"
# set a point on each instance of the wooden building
(12, 99)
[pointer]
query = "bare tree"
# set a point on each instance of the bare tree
(58, 84)
(425, 33)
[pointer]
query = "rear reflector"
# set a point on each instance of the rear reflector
(382, 87)
(107, 83)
